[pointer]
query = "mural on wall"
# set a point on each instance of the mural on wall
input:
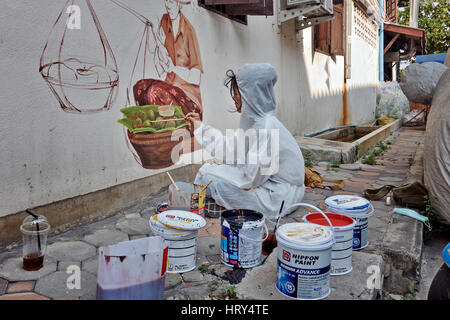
(81, 83)
(154, 117)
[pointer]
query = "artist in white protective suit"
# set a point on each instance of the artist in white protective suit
(273, 169)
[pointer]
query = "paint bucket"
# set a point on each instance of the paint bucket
(182, 243)
(242, 237)
(304, 259)
(358, 208)
(341, 254)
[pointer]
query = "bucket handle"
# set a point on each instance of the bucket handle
(301, 204)
(266, 230)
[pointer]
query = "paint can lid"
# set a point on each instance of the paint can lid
(183, 220)
(347, 202)
(163, 230)
(339, 221)
(305, 234)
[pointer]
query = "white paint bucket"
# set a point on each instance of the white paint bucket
(341, 254)
(182, 245)
(304, 259)
(358, 208)
(242, 237)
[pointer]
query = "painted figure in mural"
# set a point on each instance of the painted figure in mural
(248, 185)
(177, 61)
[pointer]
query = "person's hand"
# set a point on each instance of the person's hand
(194, 120)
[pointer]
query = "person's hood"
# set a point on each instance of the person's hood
(255, 82)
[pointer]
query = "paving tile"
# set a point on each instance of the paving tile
(63, 265)
(23, 286)
(56, 285)
(105, 237)
(23, 296)
(12, 269)
(367, 173)
(133, 224)
(71, 251)
(363, 180)
(3, 286)
(90, 265)
(203, 232)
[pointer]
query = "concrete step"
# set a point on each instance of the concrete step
(259, 282)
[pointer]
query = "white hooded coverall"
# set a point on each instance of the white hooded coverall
(267, 188)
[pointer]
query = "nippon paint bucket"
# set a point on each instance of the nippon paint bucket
(242, 237)
(341, 253)
(304, 259)
(358, 208)
(180, 230)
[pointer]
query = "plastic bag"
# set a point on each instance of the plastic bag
(132, 270)
(391, 102)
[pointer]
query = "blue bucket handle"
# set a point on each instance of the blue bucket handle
(301, 204)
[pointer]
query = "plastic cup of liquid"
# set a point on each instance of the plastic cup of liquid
(34, 236)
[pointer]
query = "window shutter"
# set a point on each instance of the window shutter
(322, 37)
(337, 31)
(261, 8)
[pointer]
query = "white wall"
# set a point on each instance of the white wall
(49, 155)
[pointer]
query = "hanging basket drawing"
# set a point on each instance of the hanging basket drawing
(81, 82)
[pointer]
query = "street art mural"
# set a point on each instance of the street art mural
(85, 79)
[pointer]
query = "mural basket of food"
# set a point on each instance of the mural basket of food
(150, 131)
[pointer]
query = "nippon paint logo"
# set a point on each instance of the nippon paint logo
(237, 147)
(286, 256)
(73, 17)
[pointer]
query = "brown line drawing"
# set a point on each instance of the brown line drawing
(69, 76)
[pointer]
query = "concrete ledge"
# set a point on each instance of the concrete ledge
(346, 152)
(66, 214)
(259, 282)
(402, 251)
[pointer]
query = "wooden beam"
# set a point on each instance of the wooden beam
(391, 43)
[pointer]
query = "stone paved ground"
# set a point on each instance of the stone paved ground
(79, 247)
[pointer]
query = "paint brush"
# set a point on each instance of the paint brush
(173, 182)
(204, 188)
(279, 217)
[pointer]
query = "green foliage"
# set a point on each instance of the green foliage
(434, 18)
(309, 159)
(411, 161)
(230, 292)
(382, 146)
(358, 147)
(370, 160)
(411, 294)
(335, 163)
(204, 268)
(213, 285)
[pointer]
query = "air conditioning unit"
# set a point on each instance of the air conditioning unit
(325, 6)
(310, 12)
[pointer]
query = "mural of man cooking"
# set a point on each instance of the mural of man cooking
(177, 60)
